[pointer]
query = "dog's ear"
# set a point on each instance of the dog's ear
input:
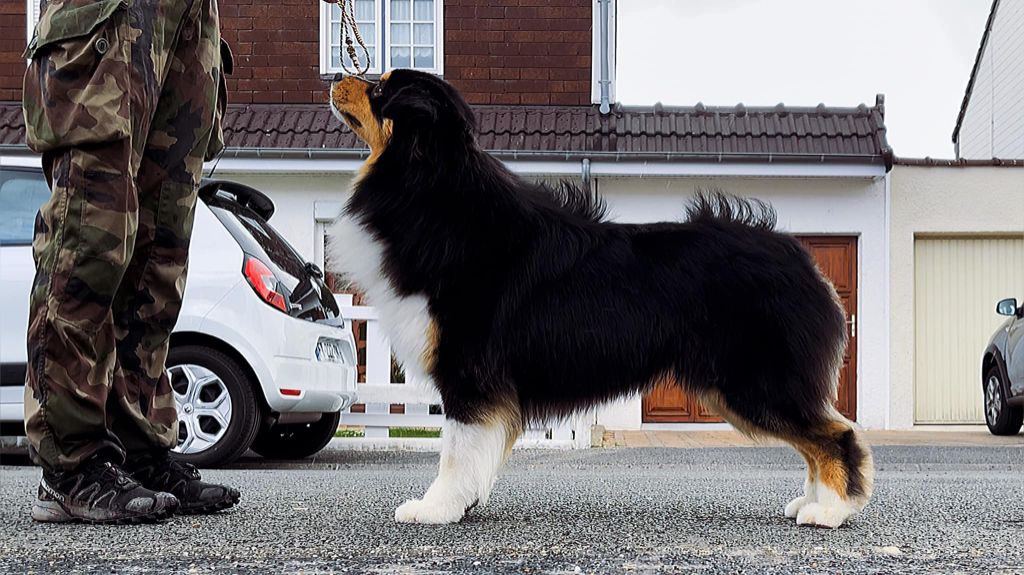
(411, 103)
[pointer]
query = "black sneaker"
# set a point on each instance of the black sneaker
(160, 472)
(99, 492)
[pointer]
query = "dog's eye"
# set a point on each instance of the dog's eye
(378, 90)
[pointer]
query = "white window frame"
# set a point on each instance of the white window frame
(382, 26)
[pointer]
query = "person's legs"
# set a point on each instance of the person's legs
(83, 241)
(147, 304)
(83, 114)
(89, 102)
(141, 408)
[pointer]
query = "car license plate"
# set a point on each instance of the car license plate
(329, 350)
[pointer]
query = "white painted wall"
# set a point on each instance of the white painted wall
(944, 201)
(993, 126)
(850, 206)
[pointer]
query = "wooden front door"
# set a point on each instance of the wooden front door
(837, 259)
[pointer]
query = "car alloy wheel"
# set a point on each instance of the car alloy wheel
(204, 407)
(993, 399)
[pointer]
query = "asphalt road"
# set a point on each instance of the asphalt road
(936, 510)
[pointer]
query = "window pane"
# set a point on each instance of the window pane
(399, 34)
(335, 33)
(424, 10)
(21, 195)
(335, 13)
(365, 11)
(400, 57)
(335, 57)
(369, 34)
(424, 57)
(423, 34)
(361, 56)
(400, 10)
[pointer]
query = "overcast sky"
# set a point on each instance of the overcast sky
(919, 53)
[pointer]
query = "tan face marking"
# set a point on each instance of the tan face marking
(350, 99)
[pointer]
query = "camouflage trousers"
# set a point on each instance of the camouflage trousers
(120, 98)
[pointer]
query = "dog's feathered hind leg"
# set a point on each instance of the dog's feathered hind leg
(810, 486)
(471, 454)
(844, 469)
(840, 470)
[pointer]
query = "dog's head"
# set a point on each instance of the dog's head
(406, 108)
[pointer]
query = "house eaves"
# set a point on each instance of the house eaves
(974, 71)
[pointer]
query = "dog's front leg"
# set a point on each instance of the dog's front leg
(471, 454)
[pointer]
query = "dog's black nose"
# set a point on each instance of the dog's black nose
(338, 77)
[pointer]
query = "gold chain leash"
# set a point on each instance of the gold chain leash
(350, 29)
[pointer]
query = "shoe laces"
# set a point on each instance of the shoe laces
(108, 471)
(187, 470)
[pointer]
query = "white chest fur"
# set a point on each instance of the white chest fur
(359, 255)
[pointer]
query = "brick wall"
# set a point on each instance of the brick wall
(496, 51)
(276, 46)
(519, 51)
(277, 50)
(12, 44)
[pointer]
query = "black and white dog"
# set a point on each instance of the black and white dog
(520, 303)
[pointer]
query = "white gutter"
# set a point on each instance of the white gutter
(597, 168)
(572, 167)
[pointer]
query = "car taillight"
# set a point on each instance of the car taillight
(264, 282)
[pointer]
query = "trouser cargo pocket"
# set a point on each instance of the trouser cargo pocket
(77, 83)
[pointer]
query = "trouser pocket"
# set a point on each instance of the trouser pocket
(77, 84)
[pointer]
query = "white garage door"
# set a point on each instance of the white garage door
(957, 284)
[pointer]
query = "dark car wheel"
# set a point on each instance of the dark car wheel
(1002, 419)
(218, 415)
(296, 440)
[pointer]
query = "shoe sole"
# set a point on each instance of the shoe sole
(221, 505)
(53, 512)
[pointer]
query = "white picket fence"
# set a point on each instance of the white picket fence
(379, 392)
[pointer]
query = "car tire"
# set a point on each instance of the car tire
(1001, 418)
(212, 443)
(296, 440)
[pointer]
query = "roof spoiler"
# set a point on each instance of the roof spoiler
(251, 198)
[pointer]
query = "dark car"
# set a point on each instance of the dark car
(1002, 372)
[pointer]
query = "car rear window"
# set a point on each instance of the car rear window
(276, 247)
(22, 193)
(256, 236)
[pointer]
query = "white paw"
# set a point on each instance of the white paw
(794, 506)
(420, 511)
(822, 516)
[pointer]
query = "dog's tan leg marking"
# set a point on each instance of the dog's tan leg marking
(834, 505)
(432, 337)
(471, 455)
(810, 486)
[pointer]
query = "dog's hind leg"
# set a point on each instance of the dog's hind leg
(471, 455)
(845, 472)
(840, 472)
(810, 486)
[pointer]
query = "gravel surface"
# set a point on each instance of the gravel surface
(936, 510)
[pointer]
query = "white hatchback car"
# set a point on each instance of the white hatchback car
(260, 356)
